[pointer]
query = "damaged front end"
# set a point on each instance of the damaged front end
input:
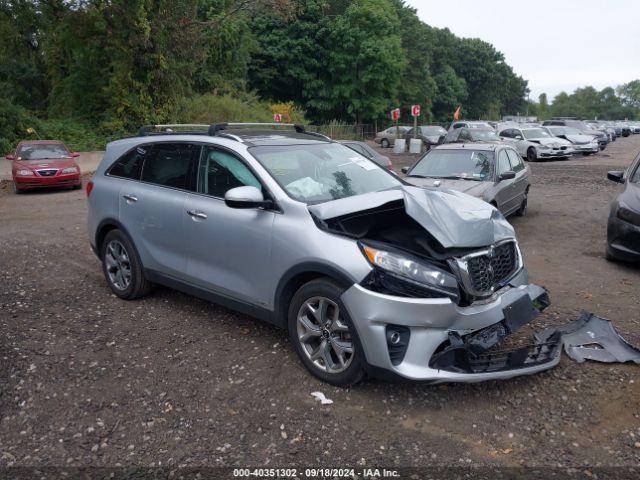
(472, 353)
(447, 284)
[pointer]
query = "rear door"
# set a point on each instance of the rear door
(229, 249)
(152, 209)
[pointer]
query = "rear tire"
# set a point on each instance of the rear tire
(323, 335)
(122, 267)
(384, 143)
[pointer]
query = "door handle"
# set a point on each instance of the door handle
(130, 198)
(197, 214)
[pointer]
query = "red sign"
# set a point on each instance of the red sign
(395, 114)
(277, 117)
(415, 110)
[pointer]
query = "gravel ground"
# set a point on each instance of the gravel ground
(89, 380)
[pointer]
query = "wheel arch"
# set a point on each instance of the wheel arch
(295, 278)
(106, 226)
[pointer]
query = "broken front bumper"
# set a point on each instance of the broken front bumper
(424, 330)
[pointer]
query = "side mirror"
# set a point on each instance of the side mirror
(246, 197)
(616, 176)
(10, 157)
(508, 175)
(75, 154)
(404, 170)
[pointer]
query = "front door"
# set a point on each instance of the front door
(506, 194)
(229, 248)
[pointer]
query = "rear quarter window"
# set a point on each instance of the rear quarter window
(130, 164)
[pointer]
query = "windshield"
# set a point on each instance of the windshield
(484, 135)
(435, 130)
(535, 133)
(323, 172)
(43, 151)
(571, 131)
(481, 125)
(466, 164)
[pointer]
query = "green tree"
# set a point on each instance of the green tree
(364, 67)
(630, 93)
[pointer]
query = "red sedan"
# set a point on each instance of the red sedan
(44, 163)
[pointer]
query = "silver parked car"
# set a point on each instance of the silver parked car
(363, 149)
(387, 138)
(368, 274)
(493, 173)
(584, 144)
(535, 143)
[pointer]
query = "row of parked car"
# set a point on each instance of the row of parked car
(559, 138)
(486, 161)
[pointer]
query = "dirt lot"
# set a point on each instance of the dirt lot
(87, 379)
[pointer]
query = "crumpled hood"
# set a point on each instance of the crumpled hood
(580, 139)
(454, 219)
(469, 187)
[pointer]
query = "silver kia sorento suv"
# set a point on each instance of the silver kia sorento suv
(368, 274)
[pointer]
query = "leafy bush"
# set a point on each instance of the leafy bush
(14, 122)
(209, 108)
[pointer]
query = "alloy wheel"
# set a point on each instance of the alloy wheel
(323, 335)
(118, 265)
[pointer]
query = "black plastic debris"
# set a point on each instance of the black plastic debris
(591, 338)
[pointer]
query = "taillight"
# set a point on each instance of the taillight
(89, 188)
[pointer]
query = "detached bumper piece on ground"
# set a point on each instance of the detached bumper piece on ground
(587, 338)
(591, 338)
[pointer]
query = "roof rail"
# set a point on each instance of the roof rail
(147, 129)
(214, 129)
(217, 129)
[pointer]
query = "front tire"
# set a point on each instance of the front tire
(122, 267)
(384, 143)
(323, 335)
(532, 156)
(16, 190)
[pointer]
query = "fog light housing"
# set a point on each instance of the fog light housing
(397, 342)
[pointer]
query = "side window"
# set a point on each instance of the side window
(220, 171)
(130, 164)
(505, 133)
(170, 165)
(515, 161)
(517, 133)
(503, 162)
(465, 135)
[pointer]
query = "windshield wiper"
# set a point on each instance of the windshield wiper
(418, 176)
(456, 177)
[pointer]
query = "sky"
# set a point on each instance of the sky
(557, 45)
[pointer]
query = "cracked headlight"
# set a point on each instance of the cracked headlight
(24, 173)
(416, 272)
